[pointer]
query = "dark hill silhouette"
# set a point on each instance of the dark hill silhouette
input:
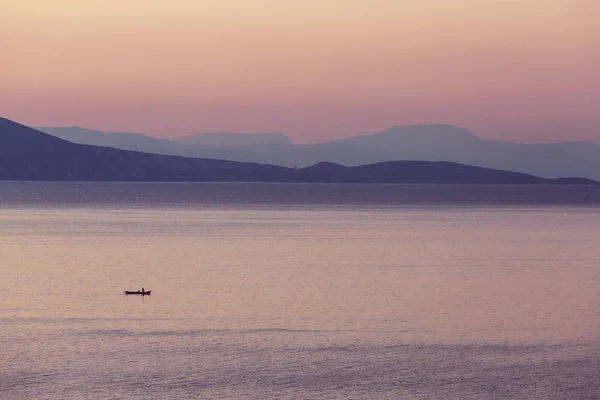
(428, 172)
(27, 154)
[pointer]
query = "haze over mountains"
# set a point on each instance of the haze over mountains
(417, 143)
(233, 139)
(29, 154)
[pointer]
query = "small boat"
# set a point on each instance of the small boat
(144, 293)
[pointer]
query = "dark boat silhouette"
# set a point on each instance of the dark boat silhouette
(144, 293)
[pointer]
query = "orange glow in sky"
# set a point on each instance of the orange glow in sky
(526, 70)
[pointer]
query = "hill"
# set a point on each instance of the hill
(418, 142)
(234, 139)
(28, 154)
(448, 143)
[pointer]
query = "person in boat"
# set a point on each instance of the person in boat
(142, 290)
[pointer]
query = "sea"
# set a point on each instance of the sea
(299, 291)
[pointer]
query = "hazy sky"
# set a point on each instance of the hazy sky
(526, 70)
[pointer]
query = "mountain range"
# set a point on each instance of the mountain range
(29, 154)
(417, 143)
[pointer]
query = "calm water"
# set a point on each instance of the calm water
(299, 292)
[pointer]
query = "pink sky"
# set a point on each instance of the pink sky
(524, 70)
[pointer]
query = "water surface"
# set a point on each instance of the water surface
(357, 292)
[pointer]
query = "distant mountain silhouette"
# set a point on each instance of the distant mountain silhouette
(448, 143)
(419, 142)
(417, 138)
(28, 154)
(141, 142)
(234, 139)
(180, 146)
(119, 140)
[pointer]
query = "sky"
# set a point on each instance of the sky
(519, 70)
